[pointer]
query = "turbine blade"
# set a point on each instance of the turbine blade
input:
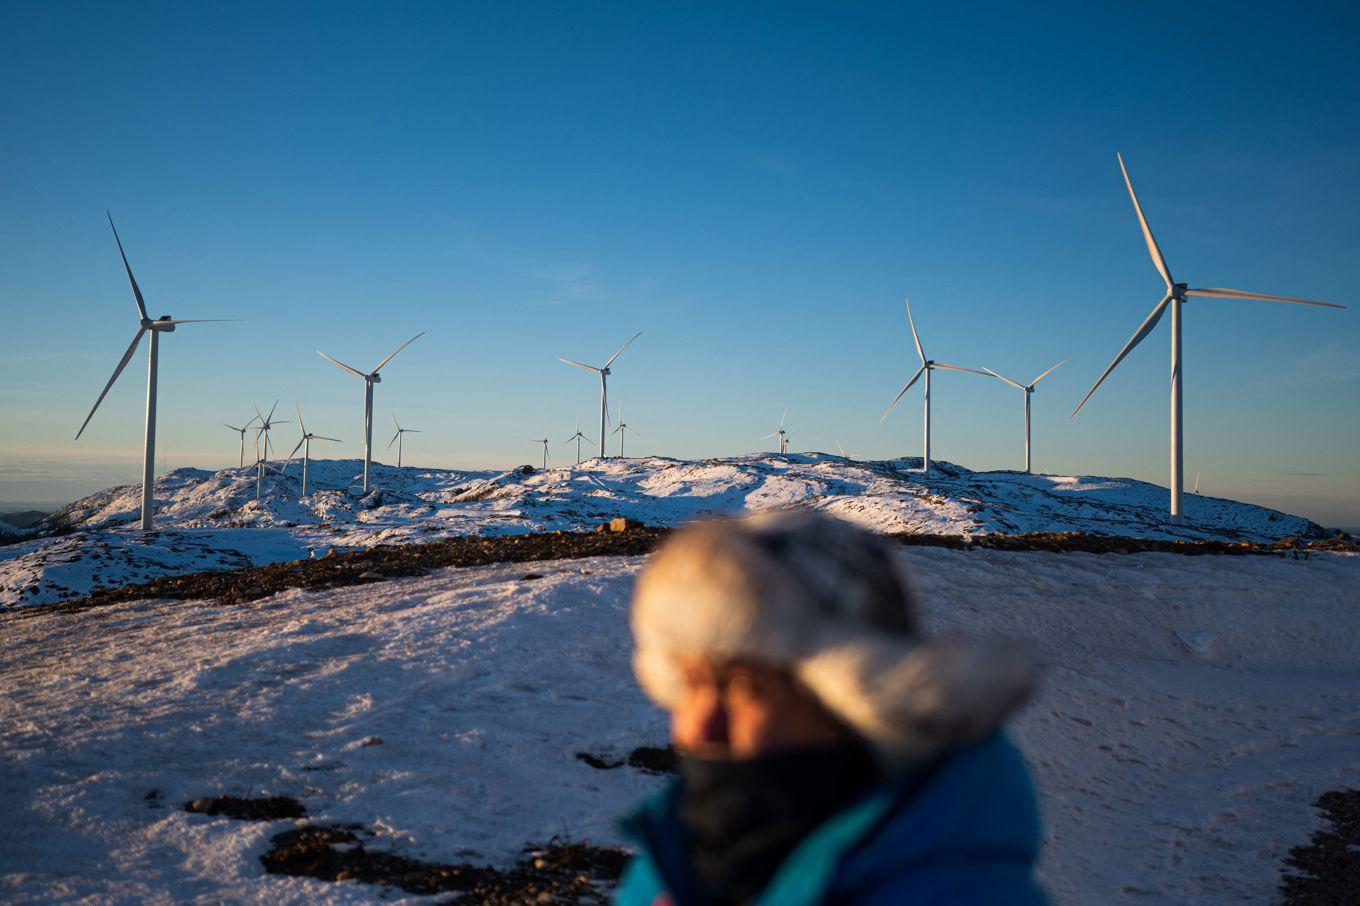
(354, 371)
(948, 367)
(1152, 246)
(332, 439)
(914, 378)
(1004, 378)
(1134, 340)
(1050, 371)
(916, 338)
(127, 356)
(234, 428)
(199, 321)
(302, 426)
(136, 290)
(771, 434)
(579, 365)
(621, 349)
(784, 416)
(295, 449)
(632, 431)
(394, 352)
(1218, 292)
(393, 440)
(395, 422)
(412, 430)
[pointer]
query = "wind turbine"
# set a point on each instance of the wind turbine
(373, 377)
(780, 433)
(306, 445)
(1176, 295)
(927, 366)
(604, 373)
(544, 442)
(164, 324)
(623, 429)
(242, 432)
(263, 450)
(578, 437)
(1028, 390)
(396, 438)
(1196, 482)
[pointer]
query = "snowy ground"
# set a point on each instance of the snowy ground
(1192, 710)
(211, 520)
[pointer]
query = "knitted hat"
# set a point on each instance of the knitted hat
(829, 603)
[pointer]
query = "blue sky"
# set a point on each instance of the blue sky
(756, 186)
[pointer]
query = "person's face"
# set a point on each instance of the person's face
(745, 710)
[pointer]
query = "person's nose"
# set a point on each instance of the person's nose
(702, 724)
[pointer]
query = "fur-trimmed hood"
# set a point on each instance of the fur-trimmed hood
(831, 604)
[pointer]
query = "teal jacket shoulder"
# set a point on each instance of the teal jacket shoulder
(969, 834)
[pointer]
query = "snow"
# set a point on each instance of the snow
(211, 520)
(1193, 708)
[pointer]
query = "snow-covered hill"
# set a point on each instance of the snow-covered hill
(213, 520)
(1191, 711)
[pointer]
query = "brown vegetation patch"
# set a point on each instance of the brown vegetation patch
(268, 808)
(1326, 871)
(649, 759)
(560, 872)
(245, 584)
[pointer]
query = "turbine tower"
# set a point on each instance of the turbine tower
(164, 324)
(604, 373)
(623, 429)
(1028, 390)
(1176, 295)
(396, 438)
(306, 445)
(242, 432)
(927, 366)
(262, 450)
(266, 423)
(578, 437)
(544, 442)
(780, 433)
(373, 377)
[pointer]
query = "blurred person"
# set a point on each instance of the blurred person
(829, 751)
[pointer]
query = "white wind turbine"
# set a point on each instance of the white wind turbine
(544, 442)
(373, 377)
(604, 373)
(242, 432)
(780, 433)
(306, 445)
(578, 437)
(262, 450)
(1176, 295)
(396, 438)
(623, 429)
(1028, 390)
(927, 366)
(165, 324)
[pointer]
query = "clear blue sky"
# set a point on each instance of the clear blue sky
(756, 186)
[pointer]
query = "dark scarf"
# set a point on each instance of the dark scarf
(745, 817)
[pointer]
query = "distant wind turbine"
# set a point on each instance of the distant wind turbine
(262, 449)
(1176, 295)
(396, 438)
(544, 442)
(604, 373)
(164, 324)
(578, 437)
(623, 429)
(780, 433)
(242, 431)
(1196, 482)
(373, 377)
(927, 366)
(306, 445)
(1028, 390)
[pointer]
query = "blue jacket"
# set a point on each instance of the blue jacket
(969, 835)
